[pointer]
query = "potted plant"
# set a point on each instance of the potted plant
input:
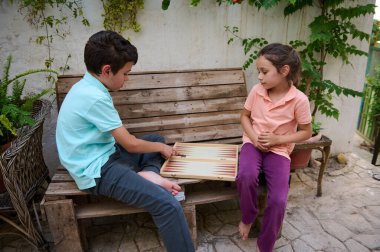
(15, 107)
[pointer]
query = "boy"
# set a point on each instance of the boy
(101, 155)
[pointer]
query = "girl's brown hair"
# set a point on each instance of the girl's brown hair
(280, 55)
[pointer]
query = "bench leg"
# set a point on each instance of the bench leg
(190, 215)
(376, 150)
(63, 225)
(325, 158)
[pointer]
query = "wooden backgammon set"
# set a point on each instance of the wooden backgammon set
(202, 161)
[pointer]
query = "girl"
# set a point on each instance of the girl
(275, 116)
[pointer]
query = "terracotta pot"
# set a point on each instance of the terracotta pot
(3, 148)
(301, 158)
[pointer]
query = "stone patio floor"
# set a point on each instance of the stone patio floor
(345, 218)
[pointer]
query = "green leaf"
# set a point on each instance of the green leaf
(165, 4)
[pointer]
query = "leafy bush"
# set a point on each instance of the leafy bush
(15, 109)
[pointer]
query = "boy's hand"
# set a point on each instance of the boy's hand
(167, 151)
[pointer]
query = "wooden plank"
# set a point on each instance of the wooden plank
(96, 210)
(181, 107)
(63, 225)
(211, 195)
(182, 121)
(175, 94)
(63, 188)
(167, 79)
(199, 134)
(62, 177)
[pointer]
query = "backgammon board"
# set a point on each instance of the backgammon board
(202, 161)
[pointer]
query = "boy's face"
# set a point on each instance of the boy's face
(115, 81)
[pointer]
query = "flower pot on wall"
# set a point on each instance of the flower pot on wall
(301, 158)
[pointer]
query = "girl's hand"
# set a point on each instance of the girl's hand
(267, 139)
(259, 145)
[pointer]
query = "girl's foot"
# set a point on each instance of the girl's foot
(244, 230)
(257, 247)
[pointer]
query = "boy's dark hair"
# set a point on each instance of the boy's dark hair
(280, 55)
(108, 48)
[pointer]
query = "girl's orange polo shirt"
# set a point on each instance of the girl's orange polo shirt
(280, 118)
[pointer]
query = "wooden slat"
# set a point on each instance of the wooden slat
(199, 134)
(62, 177)
(178, 108)
(167, 79)
(95, 210)
(63, 188)
(211, 195)
(175, 94)
(182, 121)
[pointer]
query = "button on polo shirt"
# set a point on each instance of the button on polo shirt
(280, 118)
(83, 137)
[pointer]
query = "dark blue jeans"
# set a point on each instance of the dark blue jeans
(119, 180)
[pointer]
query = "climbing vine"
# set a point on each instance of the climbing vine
(121, 15)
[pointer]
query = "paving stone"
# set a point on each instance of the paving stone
(336, 230)
(146, 239)
(370, 241)
(231, 216)
(286, 248)
(354, 246)
(228, 230)
(225, 245)
(303, 221)
(247, 245)
(212, 224)
(289, 232)
(354, 222)
(205, 247)
(322, 241)
(105, 242)
(300, 246)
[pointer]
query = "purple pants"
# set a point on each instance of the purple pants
(277, 170)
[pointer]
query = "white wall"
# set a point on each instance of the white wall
(182, 37)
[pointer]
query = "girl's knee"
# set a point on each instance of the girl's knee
(247, 178)
(277, 201)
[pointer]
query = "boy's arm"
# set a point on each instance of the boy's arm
(135, 145)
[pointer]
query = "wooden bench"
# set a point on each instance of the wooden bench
(183, 106)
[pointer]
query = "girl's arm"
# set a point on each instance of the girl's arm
(245, 120)
(135, 145)
(269, 139)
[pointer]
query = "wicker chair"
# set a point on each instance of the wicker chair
(25, 174)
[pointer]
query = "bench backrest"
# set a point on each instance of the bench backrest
(183, 106)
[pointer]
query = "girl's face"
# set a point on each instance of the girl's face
(269, 77)
(116, 81)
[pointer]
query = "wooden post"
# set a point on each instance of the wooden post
(190, 214)
(63, 225)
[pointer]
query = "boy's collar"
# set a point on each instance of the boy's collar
(93, 79)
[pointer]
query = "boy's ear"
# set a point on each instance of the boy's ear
(106, 70)
(285, 69)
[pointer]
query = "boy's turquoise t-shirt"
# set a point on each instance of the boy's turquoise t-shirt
(84, 142)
